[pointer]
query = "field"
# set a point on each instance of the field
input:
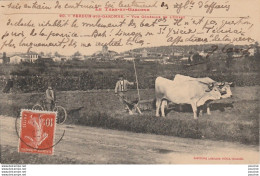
(85, 89)
(235, 119)
(100, 131)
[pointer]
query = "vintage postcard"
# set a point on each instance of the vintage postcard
(129, 82)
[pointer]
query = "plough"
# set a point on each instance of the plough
(138, 105)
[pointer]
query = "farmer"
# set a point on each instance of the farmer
(50, 98)
(121, 89)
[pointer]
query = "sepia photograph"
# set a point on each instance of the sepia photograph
(129, 82)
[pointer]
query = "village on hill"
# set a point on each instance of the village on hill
(162, 55)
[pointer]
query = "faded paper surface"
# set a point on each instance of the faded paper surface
(81, 47)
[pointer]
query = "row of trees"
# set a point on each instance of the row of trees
(102, 80)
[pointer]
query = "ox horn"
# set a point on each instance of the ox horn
(230, 83)
(220, 83)
(210, 86)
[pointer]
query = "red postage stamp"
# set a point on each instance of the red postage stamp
(37, 131)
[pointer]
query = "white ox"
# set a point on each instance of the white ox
(224, 87)
(191, 92)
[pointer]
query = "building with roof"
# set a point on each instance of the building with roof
(16, 59)
(105, 53)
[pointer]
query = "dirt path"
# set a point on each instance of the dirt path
(102, 146)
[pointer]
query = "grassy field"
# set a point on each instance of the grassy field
(235, 119)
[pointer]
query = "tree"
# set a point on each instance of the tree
(257, 52)
(56, 54)
(41, 53)
(77, 54)
(229, 59)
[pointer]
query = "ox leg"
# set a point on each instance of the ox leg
(163, 105)
(207, 105)
(158, 104)
(194, 108)
(201, 111)
(208, 109)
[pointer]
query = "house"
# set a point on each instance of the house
(105, 54)
(129, 58)
(151, 60)
(184, 59)
(33, 56)
(112, 53)
(144, 53)
(251, 51)
(1, 61)
(16, 59)
(177, 54)
(58, 59)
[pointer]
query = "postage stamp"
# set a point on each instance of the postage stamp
(37, 131)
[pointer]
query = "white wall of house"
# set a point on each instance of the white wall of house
(57, 59)
(15, 59)
(33, 57)
(184, 58)
(251, 52)
(129, 58)
(177, 54)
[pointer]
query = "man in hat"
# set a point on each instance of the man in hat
(50, 98)
(121, 89)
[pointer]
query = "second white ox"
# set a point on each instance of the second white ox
(224, 87)
(191, 92)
